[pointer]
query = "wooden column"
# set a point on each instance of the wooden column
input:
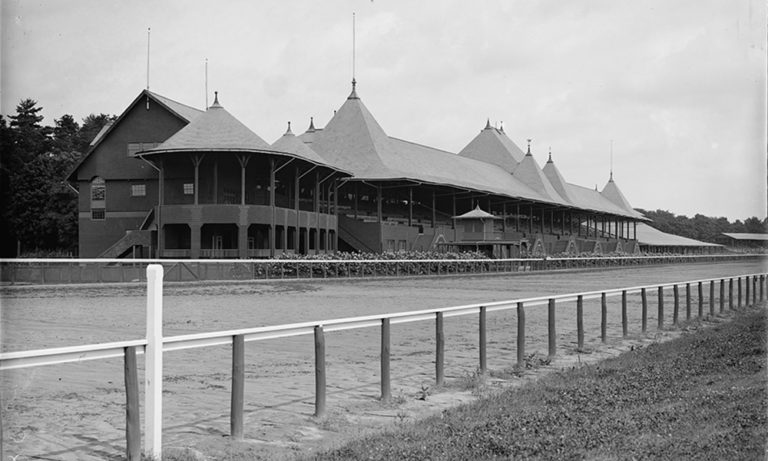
(453, 221)
(378, 204)
(238, 387)
(297, 207)
(504, 215)
(410, 206)
(317, 212)
(215, 181)
(356, 193)
(272, 208)
(434, 211)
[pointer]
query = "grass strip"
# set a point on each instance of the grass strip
(701, 396)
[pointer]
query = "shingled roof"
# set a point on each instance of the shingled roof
(476, 213)
(291, 144)
(214, 131)
(529, 173)
(612, 192)
(556, 179)
(493, 146)
(353, 140)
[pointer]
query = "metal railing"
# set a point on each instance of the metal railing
(155, 345)
(97, 270)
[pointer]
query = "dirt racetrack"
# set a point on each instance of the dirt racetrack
(76, 411)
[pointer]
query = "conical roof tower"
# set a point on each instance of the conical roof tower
(530, 174)
(493, 146)
(556, 179)
(612, 192)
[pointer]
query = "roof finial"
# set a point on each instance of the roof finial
(311, 128)
(611, 177)
(501, 126)
(289, 128)
(215, 98)
(488, 124)
(529, 147)
(550, 155)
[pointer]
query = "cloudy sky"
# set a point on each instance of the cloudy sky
(680, 87)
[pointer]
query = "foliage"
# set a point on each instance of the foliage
(700, 227)
(701, 396)
(38, 209)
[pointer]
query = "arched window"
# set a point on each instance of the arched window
(98, 198)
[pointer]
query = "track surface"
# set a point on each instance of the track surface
(76, 411)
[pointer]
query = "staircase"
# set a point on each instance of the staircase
(125, 245)
(347, 233)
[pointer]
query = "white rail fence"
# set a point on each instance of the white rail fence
(742, 290)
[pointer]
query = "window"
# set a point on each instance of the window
(138, 190)
(189, 188)
(136, 147)
(98, 199)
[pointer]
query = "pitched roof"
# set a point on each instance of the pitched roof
(590, 199)
(493, 146)
(182, 111)
(477, 213)
(291, 144)
(529, 173)
(746, 236)
(215, 130)
(612, 192)
(556, 179)
(651, 236)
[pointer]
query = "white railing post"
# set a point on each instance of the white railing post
(153, 374)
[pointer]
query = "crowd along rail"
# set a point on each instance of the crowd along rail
(743, 290)
(100, 270)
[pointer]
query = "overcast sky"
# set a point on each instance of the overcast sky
(679, 86)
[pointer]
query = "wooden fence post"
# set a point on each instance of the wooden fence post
(153, 374)
(552, 334)
(520, 335)
(238, 388)
(644, 299)
(676, 309)
(701, 299)
(439, 350)
(624, 326)
(661, 308)
(603, 318)
(688, 301)
(712, 297)
(746, 298)
(386, 391)
(319, 371)
(722, 295)
(730, 293)
(482, 339)
(580, 323)
(132, 415)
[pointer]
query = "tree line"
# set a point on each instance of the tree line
(39, 208)
(700, 227)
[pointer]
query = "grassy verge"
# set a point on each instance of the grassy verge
(701, 396)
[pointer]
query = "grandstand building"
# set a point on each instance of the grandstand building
(168, 180)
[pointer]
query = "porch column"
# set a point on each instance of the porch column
(194, 251)
(634, 233)
(296, 206)
(196, 160)
(453, 221)
(355, 192)
(272, 208)
(530, 221)
(378, 204)
(410, 206)
(336, 213)
(317, 212)
(541, 223)
(504, 215)
(552, 222)
(517, 217)
(242, 241)
(160, 203)
(243, 160)
(595, 223)
(434, 219)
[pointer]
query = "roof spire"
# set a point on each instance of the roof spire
(311, 128)
(529, 147)
(488, 124)
(501, 126)
(215, 99)
(353, 95)
(611, 177)
(289, 128)
(550, 155)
